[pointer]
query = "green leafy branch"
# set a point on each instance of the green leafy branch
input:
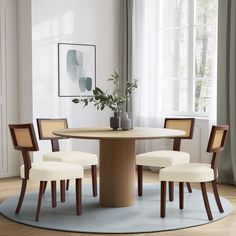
(103, 99)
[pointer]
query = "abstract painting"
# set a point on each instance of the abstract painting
(76, 69)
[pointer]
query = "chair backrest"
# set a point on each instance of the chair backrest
(184, 124)
(24, 139)
(216, 144)
(217, 138)
(46, 127)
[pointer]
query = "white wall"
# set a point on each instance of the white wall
(72, 21)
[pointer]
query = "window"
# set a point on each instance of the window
(183, 34)
(188, 32)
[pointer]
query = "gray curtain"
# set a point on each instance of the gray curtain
(126, 35)
(226, 87)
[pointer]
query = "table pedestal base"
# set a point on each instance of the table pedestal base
(117, 172)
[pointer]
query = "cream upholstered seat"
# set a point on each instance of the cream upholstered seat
(24, 140)
(162, 158)
(50, 171)
(197, 172)
(74, 157)
(192, 172)
(165, 158)
(46, 127)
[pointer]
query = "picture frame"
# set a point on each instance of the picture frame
(76, 69)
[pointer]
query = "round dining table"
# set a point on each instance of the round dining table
(117, 159)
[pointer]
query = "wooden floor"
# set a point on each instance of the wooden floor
(225, 227)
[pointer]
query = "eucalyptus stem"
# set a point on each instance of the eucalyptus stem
(114, 101)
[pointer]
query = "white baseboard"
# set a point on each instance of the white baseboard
(9, 174)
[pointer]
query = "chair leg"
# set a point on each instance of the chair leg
(45, 186)
(78, 193)
(189, 187)
(171, 191)
(181, 195)
(54, 193)
(41, 187)
(22, 195)
(217, 198)
(163, 199)
(67, 184)
(206, 202)
(63, 190)
(140, 180)
(94, 180)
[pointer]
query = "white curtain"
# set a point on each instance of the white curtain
(146, 61)
(168, 52)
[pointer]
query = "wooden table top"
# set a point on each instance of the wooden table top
(108, 133)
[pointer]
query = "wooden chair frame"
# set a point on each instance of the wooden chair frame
(56, 148)
(214, 165)
(176, 147)
(27, 166)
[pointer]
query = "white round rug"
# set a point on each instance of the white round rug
(143, 217)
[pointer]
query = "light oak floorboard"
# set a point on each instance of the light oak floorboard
(226, 226)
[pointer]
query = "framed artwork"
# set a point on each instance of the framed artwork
(76, 69)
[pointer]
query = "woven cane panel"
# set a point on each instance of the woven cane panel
(23, 138)
(49, 126)
(218, 139)
(184, 125)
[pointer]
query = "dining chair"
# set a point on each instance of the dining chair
(197, 172)
(45, 130)
(24, 140)
(164, 158)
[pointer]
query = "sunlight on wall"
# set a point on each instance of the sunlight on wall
(53, 28)
(46, 35)
(67, 24)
